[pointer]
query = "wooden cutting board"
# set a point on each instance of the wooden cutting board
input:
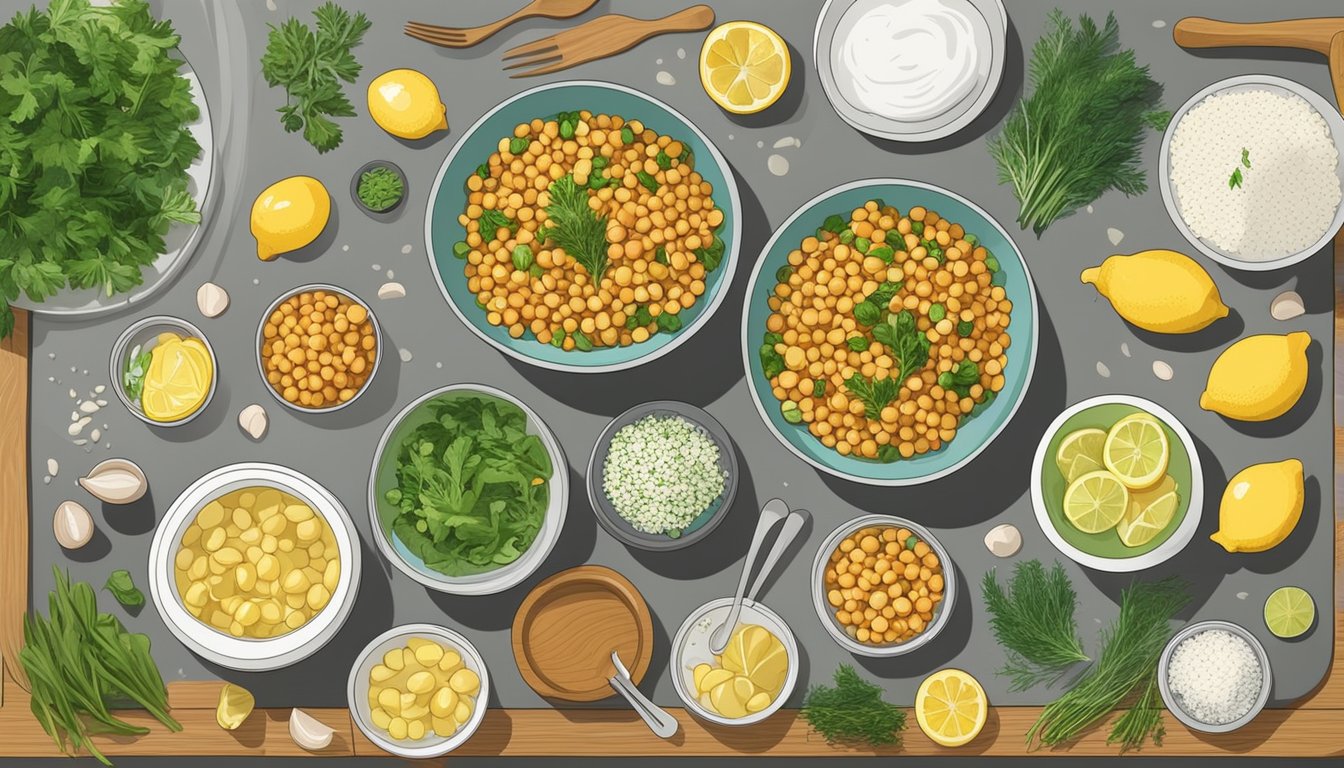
(567, 627)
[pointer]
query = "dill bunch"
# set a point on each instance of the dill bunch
(1130, 651)
(576, 228)
(1033, 620)
(1080, 132)
(853, 711)
(1133, 728)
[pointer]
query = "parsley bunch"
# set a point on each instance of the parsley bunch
(94, 145)
(309, 66)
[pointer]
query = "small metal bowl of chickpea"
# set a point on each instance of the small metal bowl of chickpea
(884, 585)
(254, 567)
(418, 690)
(318, 348)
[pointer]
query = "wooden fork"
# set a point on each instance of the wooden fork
(601, 37)
(465, 37)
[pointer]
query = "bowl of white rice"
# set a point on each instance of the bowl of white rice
(1214, 676)
(1251, 171)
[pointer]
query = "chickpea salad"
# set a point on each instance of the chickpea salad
(589, 230)
(886, 332)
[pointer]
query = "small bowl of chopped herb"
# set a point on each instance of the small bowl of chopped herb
(662, 475)
(1214, 676)
(379, 187)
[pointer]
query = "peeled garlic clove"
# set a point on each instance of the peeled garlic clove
(1286, 306)
(253, 421)
(1003, 540)
(115, 481)
(72, 524)
(307, 732)
(211, 300)
(392, 291)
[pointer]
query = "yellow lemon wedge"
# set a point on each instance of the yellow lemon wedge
(235, 704)
(1150, 512)
(744, 66)
(1079, 453)
(1261, 506)
(1095, 502)
(1137, 451)
(1159, 291)
(178, 380)
(406, 104)
(1258, 378)
(288, 215)
(951, 707)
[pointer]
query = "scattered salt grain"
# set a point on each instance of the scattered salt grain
(760, 144)
(405, 355)
(96, 435)
(1159, 23)
(659, 62)
(1114, 235)
(1124, 348)
(1102, 370)
(1243, 595)
(1090, 209)
(345, 247)
(406, 248)
(100, 389)
(376, 267)
(1162, 370)
(1215, 676)
(256, 281)
(53, 468)
(665, 78)
(46, 479)
(73, 394)
(681, 53)
(778, 165)
(391, 274)
(787, 141)
(81, 441)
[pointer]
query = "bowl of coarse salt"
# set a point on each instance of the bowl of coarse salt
(1252, 172)
(1214, 676)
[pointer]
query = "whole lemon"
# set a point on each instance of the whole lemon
(406, 104)
(1258, 378)
(288, 215)
(1159, 291)
(1261, 506)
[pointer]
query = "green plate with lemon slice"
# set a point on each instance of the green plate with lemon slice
(1105, 549)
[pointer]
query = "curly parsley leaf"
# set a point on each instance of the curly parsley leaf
(310, 65)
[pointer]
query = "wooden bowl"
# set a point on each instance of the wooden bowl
(567, 627)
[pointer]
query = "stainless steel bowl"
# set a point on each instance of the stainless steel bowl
(1173, 702)
(377, 335)
(142, 334)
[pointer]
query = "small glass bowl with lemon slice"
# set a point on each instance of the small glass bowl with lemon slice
(163, 370)
(1116, 484)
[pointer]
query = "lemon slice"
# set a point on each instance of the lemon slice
(744, 66)
(1149, 513)
(1096, 501)
(951, 707)
(1080, 452)
(178, 380)
(1289, 612)
(1137, 451)
(235, 704)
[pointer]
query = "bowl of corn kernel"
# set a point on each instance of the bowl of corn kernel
(418, 690)
(884, 586)
(254, 566)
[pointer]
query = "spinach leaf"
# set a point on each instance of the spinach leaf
(121, 586)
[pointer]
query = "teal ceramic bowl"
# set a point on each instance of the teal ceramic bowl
(447, 200)
(974, 433)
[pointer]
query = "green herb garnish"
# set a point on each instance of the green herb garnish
(582, 342)
(492, 221)
(669, 323)
(518, 145)
(772, 363)
(1140, 721)
(664, 162)
(904, 341)
(1033, 621)
(853, 711)
(647, 179)
(1234, 180)
(122, 587)
(133, 375)
(1080, 132)
(711, 256)
(522, 257)
(857, 343)
(380, 189)
(627, 135)
(818, 387)
(874, 393)
(577, 229)
(309, 66)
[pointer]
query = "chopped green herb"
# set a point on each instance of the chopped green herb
(846, 236)
(904, 341)
(483, 171)
(518, 145)
(522, 257)
(789, 410)
(627, 135)
(868, 313)
(461, 249)
(1246, 157)
(577, 229)
(783, 274)
(818, 387)
(133, 375)
(582, 342)
(875, 394)
(380, 188)
(558, 338)
(857, 343)
(669, 323)
(937, 312)
(772, 363)
(123, 588)
(917, 227)
(647, 179)
(1033, 621)
(711, 256)
(862, 244)
(882, 252)
(835, 224)
(853, 712)
(492, 221)
(1234, 180)
(663, 160)
(965, 327)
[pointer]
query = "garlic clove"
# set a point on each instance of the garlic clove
(254, 421)
(1286, 306)
(211, 300)
(308, 732)
(116, 481)
(1003, 540)
(392, 291)
(72, 524)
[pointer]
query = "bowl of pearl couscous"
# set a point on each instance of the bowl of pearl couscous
(583, 226)
(890, 332)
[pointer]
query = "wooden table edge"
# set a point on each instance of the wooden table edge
(1308, 728)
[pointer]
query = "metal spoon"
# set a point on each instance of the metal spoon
(773, 511)
(659, 721)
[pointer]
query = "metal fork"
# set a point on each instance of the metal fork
(601, 37)
(465, 37)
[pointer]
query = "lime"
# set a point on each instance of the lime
(1136, 450)
(1149, 513)
(1289, 612)
(1079, 453)
(1096, 501)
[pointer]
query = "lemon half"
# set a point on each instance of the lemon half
(951, 707)
(744, 66)
(178, 380)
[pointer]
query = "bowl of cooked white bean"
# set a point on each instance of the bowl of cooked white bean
(884, 586)
(890, 332)
(254, 566)
(584, 227)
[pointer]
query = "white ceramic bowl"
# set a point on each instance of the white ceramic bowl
(1333, 120)
(1164, 551)
(357, 690)
(379, 347)
(691, 647)
(252, 655)
(1173, 702)
(941, 611)
(502, 578)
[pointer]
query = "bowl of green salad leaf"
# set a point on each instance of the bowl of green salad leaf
(468, 490)
(378, 187)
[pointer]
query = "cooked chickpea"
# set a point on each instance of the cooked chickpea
(892, 595)
(227, 578)
(328, 339)
(421, 688)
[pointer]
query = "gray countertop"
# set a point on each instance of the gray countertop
(1080, 336)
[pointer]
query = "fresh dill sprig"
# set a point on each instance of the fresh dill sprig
(1132, 729)
(576, 228)
(853, 712)
(874, 393)
(1034, 623)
